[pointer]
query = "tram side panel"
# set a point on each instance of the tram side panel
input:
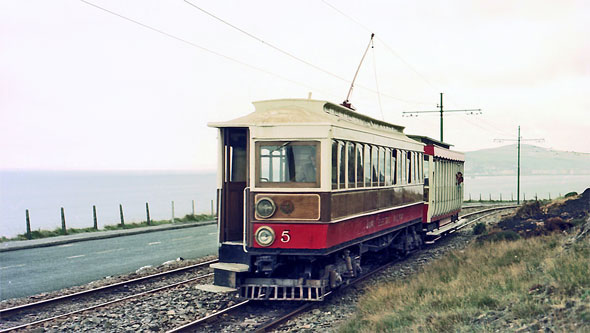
(444, 188)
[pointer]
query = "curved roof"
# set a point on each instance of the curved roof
(306, 112)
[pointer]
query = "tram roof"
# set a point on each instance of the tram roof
(305, 112)
(430, 141)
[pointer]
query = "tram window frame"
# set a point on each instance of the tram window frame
(409, 166)
(367, 165)
(404, 167)
(387, 166)
(416, 176)
(426, 170)
(341, 165)
(334, 166)
(381, 172)
(360, 176)
(375, 166)
(287, 184)
(394, 166)
(350, 165)
(421, 167)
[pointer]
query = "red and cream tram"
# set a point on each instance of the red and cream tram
(306, 188)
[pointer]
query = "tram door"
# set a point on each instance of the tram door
(235, 171)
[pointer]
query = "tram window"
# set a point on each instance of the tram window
(394, 167)
(375, 166)
(334, 164)
(359, 165)
(236, 141)
(367, 166)
(422, 167)
(426, 168)
(402, 167)
(287, 162)
(341, 165)
(414, 167)
(382, 158)
(409, 167)
(351, 162)
(387, 166)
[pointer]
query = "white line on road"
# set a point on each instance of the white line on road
(66, 245)
(78, 256)
(154, 243)
(13, 266)
(212, 233)
(108, 251)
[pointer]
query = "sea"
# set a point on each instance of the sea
(44, 193)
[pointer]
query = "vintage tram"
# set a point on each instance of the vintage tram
(307, 188)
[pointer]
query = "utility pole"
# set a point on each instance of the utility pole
(441, 111)
(518, 160)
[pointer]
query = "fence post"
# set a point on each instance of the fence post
(172, 220)
(500, 197)
(29, 236)
(549, 195)
(490, 196)
(511, 196)
(193, 207)
(94, 216)
(480, 197)
(121, 213)
(535, 196)
(523, 196)
(63, 222)
(211, 207)
(469, 196)
(147, 213)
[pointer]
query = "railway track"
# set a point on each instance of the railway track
(18, 312)
(286, 312)
(292, 312)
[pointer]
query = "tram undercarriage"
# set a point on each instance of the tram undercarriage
(308, 278)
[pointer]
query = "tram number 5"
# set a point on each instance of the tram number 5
(285, 237)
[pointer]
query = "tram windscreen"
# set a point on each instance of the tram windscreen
(288, 162)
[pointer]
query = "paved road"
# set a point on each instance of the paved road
(33, 271)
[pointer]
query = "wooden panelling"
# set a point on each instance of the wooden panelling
(300, 207)
(359, 202)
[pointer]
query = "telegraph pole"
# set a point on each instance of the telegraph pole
(518, 160)
(441, 111)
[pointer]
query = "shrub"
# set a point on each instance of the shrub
(479, 228)
(507, 235)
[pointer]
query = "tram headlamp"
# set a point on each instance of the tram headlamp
(265, 236)
(265, 207)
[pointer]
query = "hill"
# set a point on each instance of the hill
(533, 161)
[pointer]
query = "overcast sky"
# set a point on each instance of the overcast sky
(81, 88)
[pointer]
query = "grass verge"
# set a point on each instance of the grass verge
(36, 234)
(490, 286)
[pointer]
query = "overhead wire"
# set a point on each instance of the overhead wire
(389, 48)
(377, 82)
(204, 48)
(289, 54)
(484, 125)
